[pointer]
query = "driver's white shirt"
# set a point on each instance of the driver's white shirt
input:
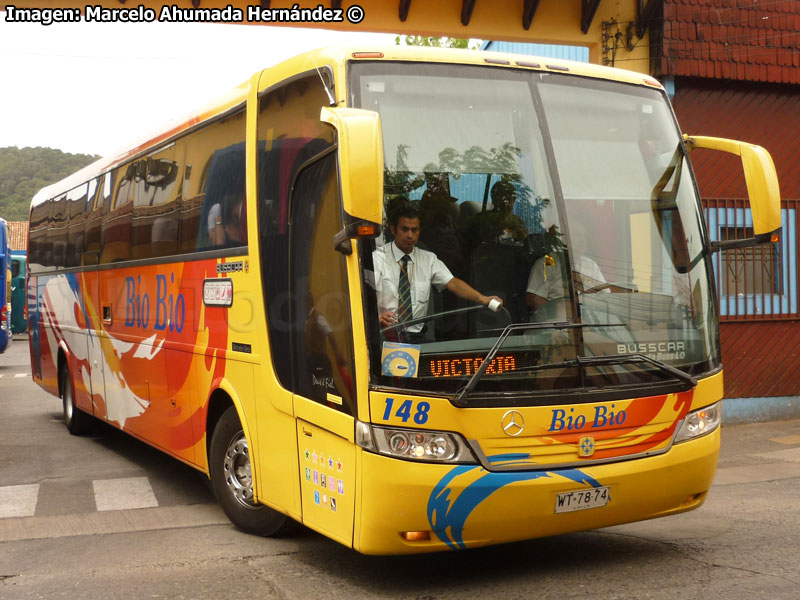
(545, 281)
(424, 269)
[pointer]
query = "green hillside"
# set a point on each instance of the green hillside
(24, 171)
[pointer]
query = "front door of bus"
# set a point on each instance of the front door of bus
(322, 348)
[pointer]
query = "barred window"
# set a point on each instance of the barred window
(748, 271)
(757, 282)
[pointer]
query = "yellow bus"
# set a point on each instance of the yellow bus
(414, 299)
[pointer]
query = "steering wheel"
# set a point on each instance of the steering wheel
(446, 313)
(614, 286)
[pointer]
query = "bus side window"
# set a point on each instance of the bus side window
(117, 221)
(214, 176)
(57, 233)
(76, 225)
(156, 202)
(224, 209)
(99, 190)
(37, 250)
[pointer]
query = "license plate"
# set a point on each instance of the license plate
(583, 499)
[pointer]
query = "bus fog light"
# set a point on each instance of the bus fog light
(700, 422)
(417, 444)
(416, 536)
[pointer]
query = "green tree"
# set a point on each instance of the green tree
(24, 171)
(438, 42)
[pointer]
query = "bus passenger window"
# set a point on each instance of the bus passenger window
(37, 245)
(116, 229)
(227, 222)
(57, 233)
(156, 204)
(94, 218)
(76, 228)
(213, 213)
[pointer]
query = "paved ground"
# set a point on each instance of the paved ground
(104, 516)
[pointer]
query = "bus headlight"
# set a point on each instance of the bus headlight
(414, 444)
(700, 423)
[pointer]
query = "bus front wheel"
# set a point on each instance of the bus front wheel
(232, 480)
(76, 420)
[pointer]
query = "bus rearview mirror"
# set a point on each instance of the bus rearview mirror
(360, 148)
(761, 179)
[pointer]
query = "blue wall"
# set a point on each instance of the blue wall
(577, 53)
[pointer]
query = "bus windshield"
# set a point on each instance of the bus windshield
(566, 197)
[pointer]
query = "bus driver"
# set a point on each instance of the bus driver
(545, 281)
(404, 275)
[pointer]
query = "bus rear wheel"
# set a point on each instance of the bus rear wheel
(76, 420)
(232, 480)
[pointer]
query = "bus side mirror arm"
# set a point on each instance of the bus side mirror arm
(353, 231)
(342, 243)
(766, 238)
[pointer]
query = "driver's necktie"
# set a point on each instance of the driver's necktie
(404, 292)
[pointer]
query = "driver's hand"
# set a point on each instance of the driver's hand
(485, 300)
(388, 318)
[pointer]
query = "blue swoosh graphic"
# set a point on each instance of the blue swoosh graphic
(446, 514)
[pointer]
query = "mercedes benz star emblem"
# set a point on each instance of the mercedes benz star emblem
(513, 423)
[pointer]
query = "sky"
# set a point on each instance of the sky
(93, 87)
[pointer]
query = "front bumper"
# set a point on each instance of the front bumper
(466, 506)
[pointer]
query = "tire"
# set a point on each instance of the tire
(77, 421)
(231, 480)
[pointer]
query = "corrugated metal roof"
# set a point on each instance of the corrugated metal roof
(744, 40)
(765, 115)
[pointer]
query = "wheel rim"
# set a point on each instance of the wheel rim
(238, 476)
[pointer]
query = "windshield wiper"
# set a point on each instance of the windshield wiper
(460, 398)
(617, 359)
(662, 366)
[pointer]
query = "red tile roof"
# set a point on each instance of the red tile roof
(18, 235)
(748, 40)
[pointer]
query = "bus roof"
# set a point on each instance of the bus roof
(312, 59)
